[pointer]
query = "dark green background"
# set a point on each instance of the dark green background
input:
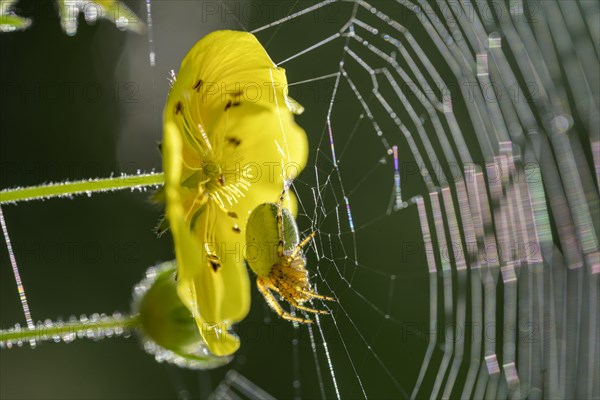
(84, 255)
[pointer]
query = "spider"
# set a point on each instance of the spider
(271, 226)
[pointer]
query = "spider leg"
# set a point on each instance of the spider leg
(280, 221)
(316, 295)
(300, 245)
(311, 310)
(289, 297)
(272, 302)
(213, 259)
(282, 197)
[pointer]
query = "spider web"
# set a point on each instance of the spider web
(451, 181)
(476, 198)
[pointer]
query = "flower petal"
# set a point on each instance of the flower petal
(267, 141)
(223, 68)
(200, 288)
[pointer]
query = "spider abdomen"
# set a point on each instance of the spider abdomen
(262, 237)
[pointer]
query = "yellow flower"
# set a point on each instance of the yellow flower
(230, 142)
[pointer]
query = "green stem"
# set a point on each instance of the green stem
(96, 327)
(66, 189)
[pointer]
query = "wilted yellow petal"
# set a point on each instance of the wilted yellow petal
(197, 284)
